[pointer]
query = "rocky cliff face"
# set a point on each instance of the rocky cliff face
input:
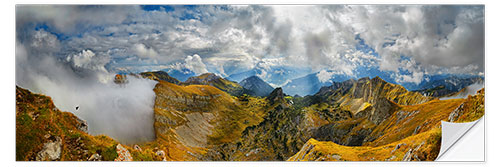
(369, 90)
(361, 97)
(369, 103)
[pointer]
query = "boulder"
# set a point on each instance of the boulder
(161, 153)
(51, 150)
(82, 125)
(123, 154)
(95, 157)
(136, 147)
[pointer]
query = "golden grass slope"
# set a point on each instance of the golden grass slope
(426, 146)
(194, 118)
(412, 134)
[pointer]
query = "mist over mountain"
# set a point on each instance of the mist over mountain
(276, 76)
(310, 84)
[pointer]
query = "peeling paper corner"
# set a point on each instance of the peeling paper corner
(462, 141)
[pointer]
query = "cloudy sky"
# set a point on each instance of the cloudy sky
(410, 42)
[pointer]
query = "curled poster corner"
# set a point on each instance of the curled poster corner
(462, 141)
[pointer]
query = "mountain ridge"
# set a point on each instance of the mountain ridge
(212, 79)
(367, 119)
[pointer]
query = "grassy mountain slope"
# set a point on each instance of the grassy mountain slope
(315, 150)
(211, 79)
(410, 134)
(38, 122)
(197, 117)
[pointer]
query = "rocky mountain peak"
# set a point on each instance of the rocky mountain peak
(256, 87)
(276, 96)
(377, 79)
(363, 80)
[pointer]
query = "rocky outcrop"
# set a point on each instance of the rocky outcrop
(333, 132)
(123, 154)
(82, 125)
(455, 114)
(276, 96)
(304, 151)
(95, 157)
(397, 147)
(348, 132)
(411, 155)
(51, 150)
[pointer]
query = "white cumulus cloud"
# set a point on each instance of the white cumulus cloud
(195, 64)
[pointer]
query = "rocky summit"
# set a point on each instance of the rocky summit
(205, 118)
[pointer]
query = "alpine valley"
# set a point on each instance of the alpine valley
(209, 118)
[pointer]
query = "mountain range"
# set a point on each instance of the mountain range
(207, 117)
(274, 75)
(298, 81)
